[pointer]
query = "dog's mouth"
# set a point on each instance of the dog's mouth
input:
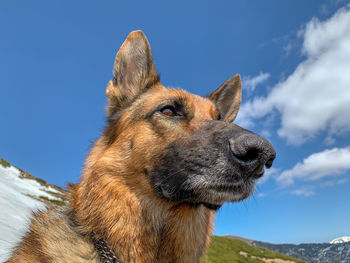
(212, 196)
(218, 194)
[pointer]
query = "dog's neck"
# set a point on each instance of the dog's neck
(137, 226)
(135, 235)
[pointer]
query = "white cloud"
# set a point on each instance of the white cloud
(316, 96)
(304, 192)
(318, 165)
(253, 109)
(250, 83)
(268, 174)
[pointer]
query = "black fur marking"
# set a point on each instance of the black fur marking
(201, 168)
(187, 168)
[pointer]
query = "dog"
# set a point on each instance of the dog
(166, 161)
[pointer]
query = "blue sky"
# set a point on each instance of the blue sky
(294, 59)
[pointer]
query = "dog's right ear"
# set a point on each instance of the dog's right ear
(134, 72)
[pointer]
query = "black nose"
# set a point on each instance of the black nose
(252, 153)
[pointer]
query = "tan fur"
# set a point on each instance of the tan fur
(52, 239)
(114, 199)
(116, 202)
(125, 210)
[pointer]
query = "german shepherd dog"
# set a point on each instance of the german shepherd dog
(166, 161)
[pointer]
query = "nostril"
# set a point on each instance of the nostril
(251, 155)
(269, 162)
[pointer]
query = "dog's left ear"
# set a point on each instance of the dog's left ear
(227, 98)
(133, 71)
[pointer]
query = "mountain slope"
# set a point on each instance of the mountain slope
(20, 194)
(225, 250)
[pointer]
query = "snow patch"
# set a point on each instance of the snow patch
(17, 207)
(340, 240)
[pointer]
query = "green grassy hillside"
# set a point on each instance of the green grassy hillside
(225, 250)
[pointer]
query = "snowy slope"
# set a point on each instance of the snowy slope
(17, 201)
(340, 240)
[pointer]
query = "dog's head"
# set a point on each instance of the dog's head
(182, 146)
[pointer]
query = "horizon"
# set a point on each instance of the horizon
(293, 58)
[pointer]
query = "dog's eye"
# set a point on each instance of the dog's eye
(168, 111)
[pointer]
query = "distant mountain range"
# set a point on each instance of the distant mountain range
(313, 253)
(21, 193)
(337, 251)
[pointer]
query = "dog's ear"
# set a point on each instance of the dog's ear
(134, 72)
(227, 98)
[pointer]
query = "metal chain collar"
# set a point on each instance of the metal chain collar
(105, 253)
